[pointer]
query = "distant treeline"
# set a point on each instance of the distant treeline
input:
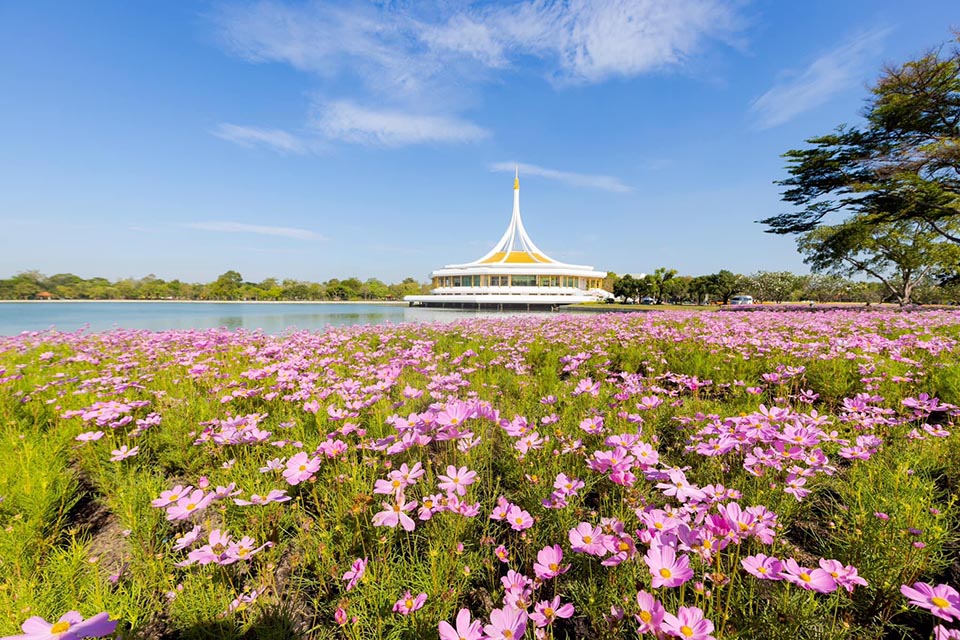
(666, 285)
(32, 285)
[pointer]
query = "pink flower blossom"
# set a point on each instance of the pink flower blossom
(585, 538)
(408, 603)
(942, 600)
(546, 611)
(123, 453)
(300, 468)
(811, 579)
(465, 630)
(650, 615)
(763, 567)
(355, 573)
(689, 624)
(666, 569)
(394, 514)
(518, 518)
(70, 626)
(548, 563)
(457, 480)
(507, 623)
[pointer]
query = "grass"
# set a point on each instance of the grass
(214, 408)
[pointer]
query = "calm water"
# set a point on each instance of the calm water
(272, 318)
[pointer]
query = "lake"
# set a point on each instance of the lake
(274, 318)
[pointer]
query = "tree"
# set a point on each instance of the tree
(626, 287)
(227, 286)
(772, 286)
(658, 280)
(724, 284)
(677, 289)
(900, 253)
(700, 287)
(902, 164)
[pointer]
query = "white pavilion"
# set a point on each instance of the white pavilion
(515, 274)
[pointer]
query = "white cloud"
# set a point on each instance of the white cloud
(422, 62)
(830, 74)
(349, 122)
(275, 139)
(240, 227)
(425, 45)
(606, 183)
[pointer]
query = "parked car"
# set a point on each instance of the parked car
(741, 300)
(647, 300)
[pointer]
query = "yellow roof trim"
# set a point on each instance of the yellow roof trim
(517, 257)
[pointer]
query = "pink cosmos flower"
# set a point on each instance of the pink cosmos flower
(244, 549)
(667, 570)
(586, 538)
(89, 436)
(275, 495)
(846, 576)
(70, 626)
(507, 623)
(942, 600)
(940, 632)
(408, 604)
(394, 514)
(811, 579)
(548, 563)
(466, 629)
(172, 496)
(187, 539)
(300, 468)
(457, 480)
(123, 453)
(503, 554)
(689, 624)
(355, 573)
(188, 505)
(518, 518)
(546, 611)
(651, 613)
(763, 567)
(214, 551)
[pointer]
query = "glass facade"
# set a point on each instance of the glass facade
(518, 280)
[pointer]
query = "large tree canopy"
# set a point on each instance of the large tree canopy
(903, 163)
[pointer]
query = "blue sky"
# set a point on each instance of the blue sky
(312, 140)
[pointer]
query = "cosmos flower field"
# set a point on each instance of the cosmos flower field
(761, 475)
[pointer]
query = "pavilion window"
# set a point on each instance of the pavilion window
(523, 281)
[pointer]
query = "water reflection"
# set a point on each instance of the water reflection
(160, 316)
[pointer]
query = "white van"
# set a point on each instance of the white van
(741, 300)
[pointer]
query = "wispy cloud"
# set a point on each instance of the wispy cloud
(830, 74)
(429, 58)
(240, 227)
(606, 183)
(350, 122)
(275, 139)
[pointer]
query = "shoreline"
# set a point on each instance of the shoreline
(391, 303)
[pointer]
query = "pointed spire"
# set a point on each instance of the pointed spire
(516, 178)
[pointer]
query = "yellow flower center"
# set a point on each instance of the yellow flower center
(588, 539)
(507, 633)
(548, 612)
(552, 566)
(941, 603)
(408, 603)
(302, 467)
(191, 506)
(686, 631)
(646, 616)
(762, 570)
(805, 577)
(665, 572)
(396, 483)
(60, 627)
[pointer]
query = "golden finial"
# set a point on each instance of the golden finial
(516, 178)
